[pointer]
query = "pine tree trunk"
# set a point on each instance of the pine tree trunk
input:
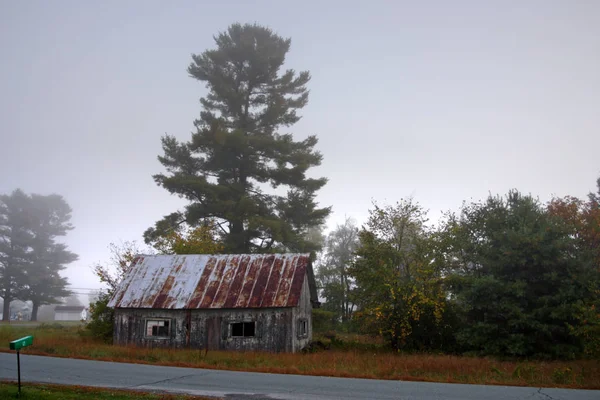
(34, 311)
(237, 237)
(6, 309)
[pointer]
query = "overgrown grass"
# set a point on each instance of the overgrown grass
(348, 356)
(60, 392)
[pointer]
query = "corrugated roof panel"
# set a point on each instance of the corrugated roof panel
(152, 284)
(285, 284)
(198, 291)
(272, 283)
(186, 279)
(228, 274)
(212, 281)
(297, 281)
(237, 282)
(248, 284)
(134, 294)
(125, 283)
(260, 282)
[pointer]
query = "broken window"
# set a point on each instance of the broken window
(302, 327)
(243, 329)
(157, 327)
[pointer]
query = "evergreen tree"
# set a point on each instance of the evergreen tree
(517, 276)
(30, 256)
(15, 238)
(50, 216)
(237, 150)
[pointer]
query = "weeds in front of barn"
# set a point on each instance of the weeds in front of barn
(354, 356)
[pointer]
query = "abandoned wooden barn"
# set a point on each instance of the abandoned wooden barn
(217, 302)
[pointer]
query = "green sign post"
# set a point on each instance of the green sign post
(18, 345)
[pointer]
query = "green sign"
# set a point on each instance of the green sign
(20, 343)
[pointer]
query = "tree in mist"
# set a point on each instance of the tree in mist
(315, 238)
(15, 238)
(30, 256)
(72, 300)
(333, 276)
(237, 150)
(50, 218)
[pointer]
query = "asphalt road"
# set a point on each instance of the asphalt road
(249, 385)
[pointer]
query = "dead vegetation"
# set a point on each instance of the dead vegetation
(346, 356)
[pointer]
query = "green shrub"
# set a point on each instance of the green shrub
(101, 323)
(323, 321)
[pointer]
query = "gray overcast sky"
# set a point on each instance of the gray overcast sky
(443, 100)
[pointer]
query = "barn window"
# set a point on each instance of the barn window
(302, 328)
(158, 328)
(243, 329)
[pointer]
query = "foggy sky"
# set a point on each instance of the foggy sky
(443, 100)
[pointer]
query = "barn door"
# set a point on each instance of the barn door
(213, 333)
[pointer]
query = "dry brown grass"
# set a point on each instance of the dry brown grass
(65, 342)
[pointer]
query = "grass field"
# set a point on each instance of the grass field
(8, 390)
(64, 341)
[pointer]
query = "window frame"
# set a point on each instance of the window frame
(160, 319)
(231, 323)
(302, 322)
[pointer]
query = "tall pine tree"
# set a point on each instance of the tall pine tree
(15, 237)
(237, 150)
(50, 217)
(30, 256)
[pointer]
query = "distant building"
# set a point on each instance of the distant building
(217, 302)
(18, 310)
(69, 313)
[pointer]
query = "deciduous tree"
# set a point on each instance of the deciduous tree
(333, 276)
(110, 273)
(583, 220)
(399, 291)
(200, 240)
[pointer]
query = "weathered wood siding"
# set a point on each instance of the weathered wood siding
(303, 311)
(201, 329)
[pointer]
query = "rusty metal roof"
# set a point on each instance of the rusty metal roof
(213, 281)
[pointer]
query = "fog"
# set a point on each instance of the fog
(442, 101)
